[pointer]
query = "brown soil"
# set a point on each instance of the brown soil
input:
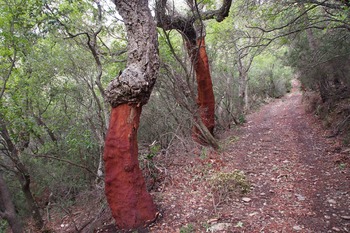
(299, 178)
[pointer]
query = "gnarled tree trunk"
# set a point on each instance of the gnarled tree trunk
(132, 206)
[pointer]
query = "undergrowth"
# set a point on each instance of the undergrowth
(225, 185)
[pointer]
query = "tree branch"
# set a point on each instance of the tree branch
(219, 14)
(65, 161)
(285, 25)
(185, 24)
(326, 3)
(13, 61)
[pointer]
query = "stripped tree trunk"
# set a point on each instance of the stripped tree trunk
(205, 93)
(195, 43)
(132, 206)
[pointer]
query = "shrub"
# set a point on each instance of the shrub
(225, 185)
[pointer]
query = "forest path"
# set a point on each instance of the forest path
(300, 179)
(300, 183)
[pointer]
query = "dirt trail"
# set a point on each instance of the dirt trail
(298, 185)
(300, 179)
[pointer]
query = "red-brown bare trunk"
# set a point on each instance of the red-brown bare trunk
(132, 206)
(205, 95)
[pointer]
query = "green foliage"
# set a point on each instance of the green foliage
(242, 119)
(153, 151)
(204, 153)
(342, 166)
(189, 228)
(3, 226)
(331, 57)
(166, 52)
(269, 76)
(346, 140)
(51, 105)
(230, 182)
(226, 185)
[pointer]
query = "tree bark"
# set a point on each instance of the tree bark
(8, 211)
(246, 96)
(22, 174)
(132, 206)
(205, 93)
(32, 205)
(242, 87)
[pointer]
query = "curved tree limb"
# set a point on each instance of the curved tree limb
(220, 14)
(339, 4)
(185, 24)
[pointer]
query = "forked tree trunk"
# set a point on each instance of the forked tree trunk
(132, 207)
(131, 204)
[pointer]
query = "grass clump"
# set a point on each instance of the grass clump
(225, 185)
(189, 228)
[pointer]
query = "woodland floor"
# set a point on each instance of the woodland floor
(299, 178)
